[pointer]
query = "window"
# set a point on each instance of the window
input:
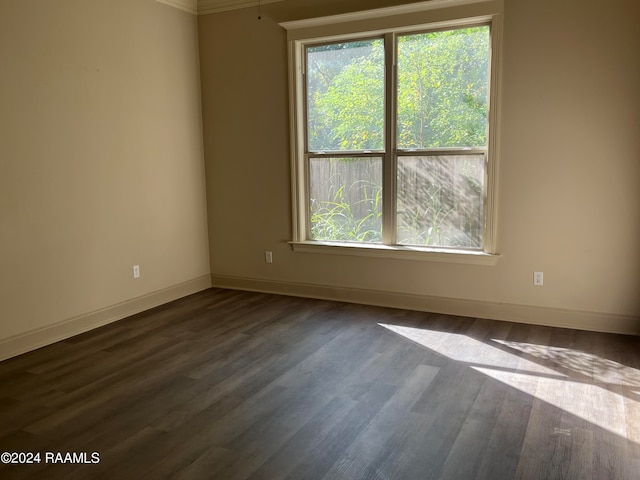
(393, 138)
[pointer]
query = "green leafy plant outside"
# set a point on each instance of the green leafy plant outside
(352, 214)
(441, 103)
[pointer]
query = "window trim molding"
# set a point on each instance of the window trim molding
(404, 18)
(402, 252)
(406, 9)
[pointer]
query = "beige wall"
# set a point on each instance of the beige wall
(101, 163)
(569, 172)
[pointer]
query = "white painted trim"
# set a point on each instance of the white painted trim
(297, 144)
(190, 6)
(213, 6)
(309, 33)
(25, 342)
(377, 13)
(469, 257)
(535, 315)
(492, 186)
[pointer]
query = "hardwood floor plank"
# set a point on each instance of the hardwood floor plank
(447, 419)
(467, 452)
(501, 456)
(235, 385)
(287, 456)
(320, 458)
(362, 458)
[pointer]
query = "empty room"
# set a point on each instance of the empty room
(319, 239)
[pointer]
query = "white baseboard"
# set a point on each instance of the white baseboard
(28, 341)
(547, 316)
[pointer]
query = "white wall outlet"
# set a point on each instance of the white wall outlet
(538, 279)
(268, 257)
(136, 271)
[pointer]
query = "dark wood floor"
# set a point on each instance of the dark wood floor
(234, 385)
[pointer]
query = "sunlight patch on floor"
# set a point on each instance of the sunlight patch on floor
(598, 390)
(586, 363)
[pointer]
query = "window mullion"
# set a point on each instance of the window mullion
(389, 163)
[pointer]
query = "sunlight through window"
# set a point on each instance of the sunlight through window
(598, 390)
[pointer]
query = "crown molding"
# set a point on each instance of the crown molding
(214, 6)
(190, 6)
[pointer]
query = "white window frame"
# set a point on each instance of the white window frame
(389, 22)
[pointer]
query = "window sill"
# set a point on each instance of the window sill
(400, 252)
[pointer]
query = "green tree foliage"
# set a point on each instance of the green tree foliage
(442, 84)
(345, 92)
(442, 92)
(442, 89)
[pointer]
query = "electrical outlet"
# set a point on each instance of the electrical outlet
(136, 271)
(268, 257)
(538, 279)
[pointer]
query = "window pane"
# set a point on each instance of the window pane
(442, 89)
(345, 96)
(345, 199)
(441, 200)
